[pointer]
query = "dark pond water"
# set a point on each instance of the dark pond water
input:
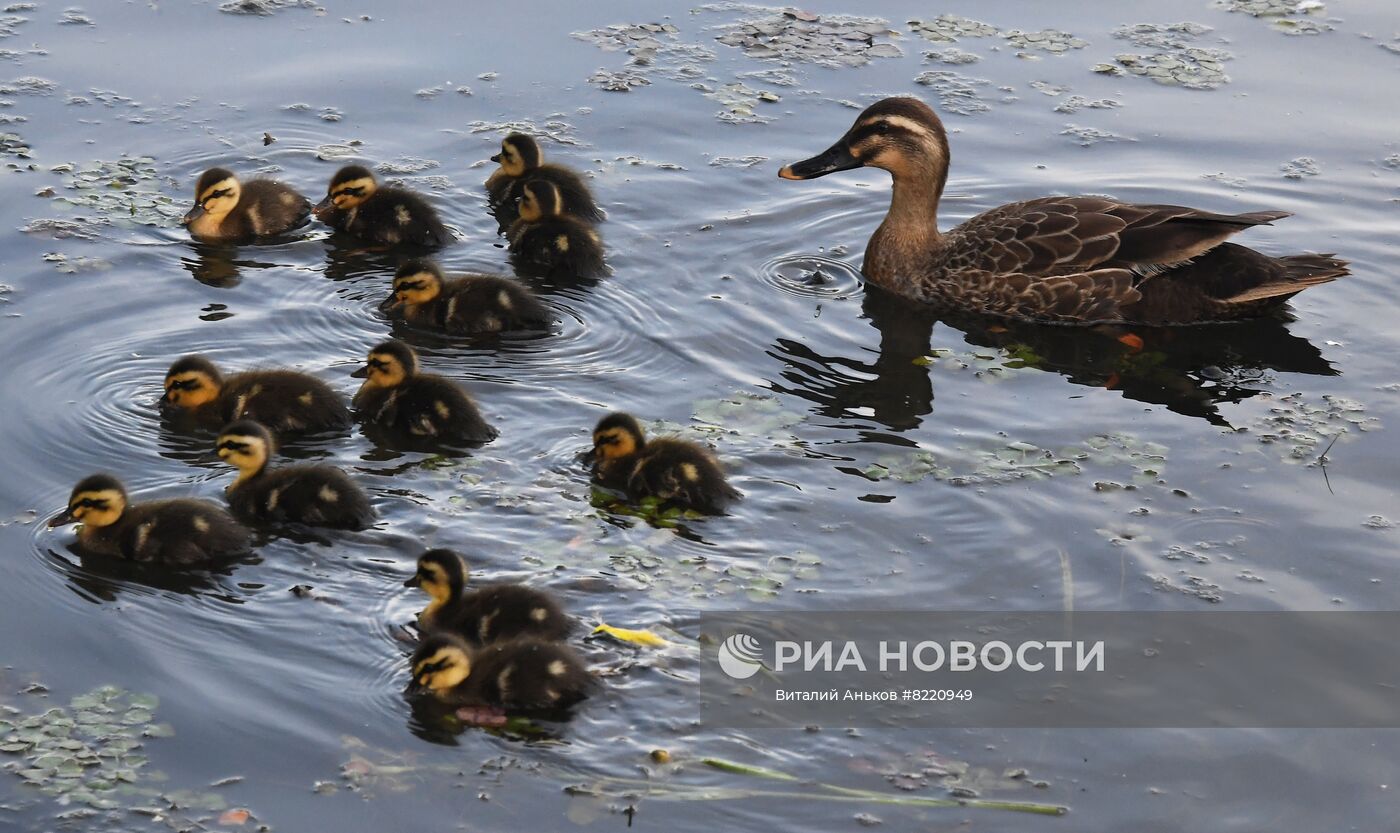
(889, 460)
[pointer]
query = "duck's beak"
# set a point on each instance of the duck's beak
(590, 456)
(192, 215)
(496, 158)
(323, 207)
(835, 158)
(164, 398)
(62, 519)
(413, 581)
(362, 373)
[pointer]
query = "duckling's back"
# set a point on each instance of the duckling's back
(319, 495)
(557, 247)
(490, 304)
(681, 472)
(181, 531)
(503, 612)
(282, 400)
(268, 208)
(393, 216)
(427, 408)
(528, 674)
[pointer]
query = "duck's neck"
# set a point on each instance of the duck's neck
(909, 233)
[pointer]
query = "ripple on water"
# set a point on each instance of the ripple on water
(813, 276)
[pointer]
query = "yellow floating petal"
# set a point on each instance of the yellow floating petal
(645, 638)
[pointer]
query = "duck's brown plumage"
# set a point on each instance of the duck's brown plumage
(1060, 259)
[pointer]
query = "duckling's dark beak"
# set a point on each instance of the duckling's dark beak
(362, 373)
(835, 158)
(192, 215)
(164, 398)
(413, 581)
(62, 519)
(590, 456)
(323, 207)
(208, 457)
(496, 158)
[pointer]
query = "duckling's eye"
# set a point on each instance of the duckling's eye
(882, 127)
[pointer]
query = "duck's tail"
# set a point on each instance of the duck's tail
(1299, 273)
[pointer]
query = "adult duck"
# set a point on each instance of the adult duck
(1070, 260)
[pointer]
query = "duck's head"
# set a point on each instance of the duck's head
(389, 365)
(215, 194)
(539, 199)
(417, 282)
(441, 663)
(442, 574)
(191, 382)
(351, 185)
(519, 153)
(901, 135)
(616, 436)
(98, 500)
(246, 445)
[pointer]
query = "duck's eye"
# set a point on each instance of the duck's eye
(882, 127)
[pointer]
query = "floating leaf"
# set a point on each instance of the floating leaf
(633, 637)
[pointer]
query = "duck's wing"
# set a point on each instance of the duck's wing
(1061, 236)
(1098, 295)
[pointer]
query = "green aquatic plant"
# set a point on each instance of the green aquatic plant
(91, 757)
(832, 41)
(1177, 61)
(1015, 461)
(947, 28)
(125, 191)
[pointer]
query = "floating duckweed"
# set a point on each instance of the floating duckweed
(75, 17)
(651, 47)
(1075, 103)
(747, 416)
(12, 145)
(1378, 522)
(951, 55)
(1289, 16)
(28, 85)
(1087, 136)
(1178, 63)
(1195, 586)
(554, 130)
(956, 93)
(10, 22)
(1300, 167)
(1023, 461)
(776, 76)
(826, 40)
(738, 101)
(125, 190)
(1226, 179)
(618, 82)
(737, 161)
(949, 27)
(265, 7)
(406, 165)
(73, 265)
(1305, 429)
(1393, 46)
(1046, 40)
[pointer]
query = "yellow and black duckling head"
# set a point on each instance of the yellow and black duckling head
(97, 501)
(519, 153)
(388, 365)
(191, 382)
(215, 195)
(442, 574)
(901, 135)
(247, 446)
(617, 437)
(349, 188)
(540, 199)
(442, 662)
(417, 281)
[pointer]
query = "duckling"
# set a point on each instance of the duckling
(464, 306)
(520, 161)
(549, 243)
(522, 674)
(357, 205)
(1070, 260)
(317, 495)
(283, 400)
(678, 472)
(227, 211)
(491, 614)
(179, 532)
(397, 397)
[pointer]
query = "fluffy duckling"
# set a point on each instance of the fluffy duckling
(522, 674)
(283, 400)
(357, 205)
(227, 211)
(467, 305)
(491, 614)
(398, 398)
(520, 160)
(181, 531)
(549, 243)
(678, 472)
(317, 495)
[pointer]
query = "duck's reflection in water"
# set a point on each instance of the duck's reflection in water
(1190, 370)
